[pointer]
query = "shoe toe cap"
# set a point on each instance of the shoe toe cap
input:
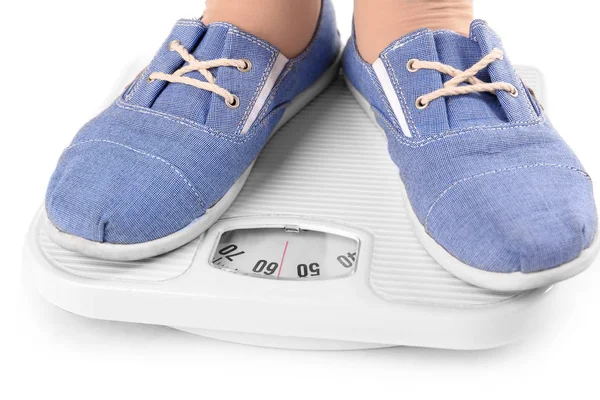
(111, 193)
(525, 219)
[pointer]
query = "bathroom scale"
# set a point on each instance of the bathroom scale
(317, 252)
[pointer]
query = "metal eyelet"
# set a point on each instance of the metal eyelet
(173, 44)
(410, 65)
(235, 104)
(420, 104)
(514, 93)
(247, 67)
(149, 80)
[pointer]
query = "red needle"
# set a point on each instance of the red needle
(282, 259)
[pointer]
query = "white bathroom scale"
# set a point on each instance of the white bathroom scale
(317, 252)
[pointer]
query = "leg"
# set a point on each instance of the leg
(379, 22)
(287, 24)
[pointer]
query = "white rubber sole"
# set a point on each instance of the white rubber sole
(140, 251)
(502, 282)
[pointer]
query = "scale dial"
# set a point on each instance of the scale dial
(286, 253)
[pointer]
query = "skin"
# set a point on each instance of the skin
(289, 25)
(380, 22)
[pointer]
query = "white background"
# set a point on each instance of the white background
(61, 61)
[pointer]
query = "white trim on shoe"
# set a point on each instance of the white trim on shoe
(278, 67)
(391, 95)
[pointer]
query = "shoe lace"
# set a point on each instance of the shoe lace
(452, 88)
(203, 67)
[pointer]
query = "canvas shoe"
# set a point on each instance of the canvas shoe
(495, 195)
(164, 162)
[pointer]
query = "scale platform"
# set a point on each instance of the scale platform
(317, 252)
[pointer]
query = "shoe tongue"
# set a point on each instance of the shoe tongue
(517, 109)
(466, 111)
(190, 102)
(462, 52)
(449, 113)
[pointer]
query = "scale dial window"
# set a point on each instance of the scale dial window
(286, 254)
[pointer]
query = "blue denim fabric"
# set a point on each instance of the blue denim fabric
(163, 154)
(487, 175)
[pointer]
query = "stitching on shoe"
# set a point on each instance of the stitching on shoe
(237, 139)
(190, 22)
(171, 166)
(458, 182)
(369, 70)
(173, 118)
(442, 32)
(405, 40)
(398, 88)
(485, 25)
(124, 102)
(144, 75)
(396, 83)
(385, 101)
(252, 39)
(522, 89)
(273, 94)
(141, 78)
(263, 79)
(415, 36)
(288, 68)
(457, 132)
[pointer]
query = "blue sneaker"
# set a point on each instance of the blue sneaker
(498, 198)
(164, 162)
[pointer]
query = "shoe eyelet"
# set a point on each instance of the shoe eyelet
(420, 104)
(235, 104)
(173, 44)
(247, 67)
(514, 93)
(410, 65)
(149, 80)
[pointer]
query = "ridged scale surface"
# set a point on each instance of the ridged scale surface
(156, 269)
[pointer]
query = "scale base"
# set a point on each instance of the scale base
(282, 342)
(327, 168)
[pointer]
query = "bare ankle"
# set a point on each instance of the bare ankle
(379, 22)
(288, 25)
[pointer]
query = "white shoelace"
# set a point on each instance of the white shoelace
(203, 67)
(452, 88)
